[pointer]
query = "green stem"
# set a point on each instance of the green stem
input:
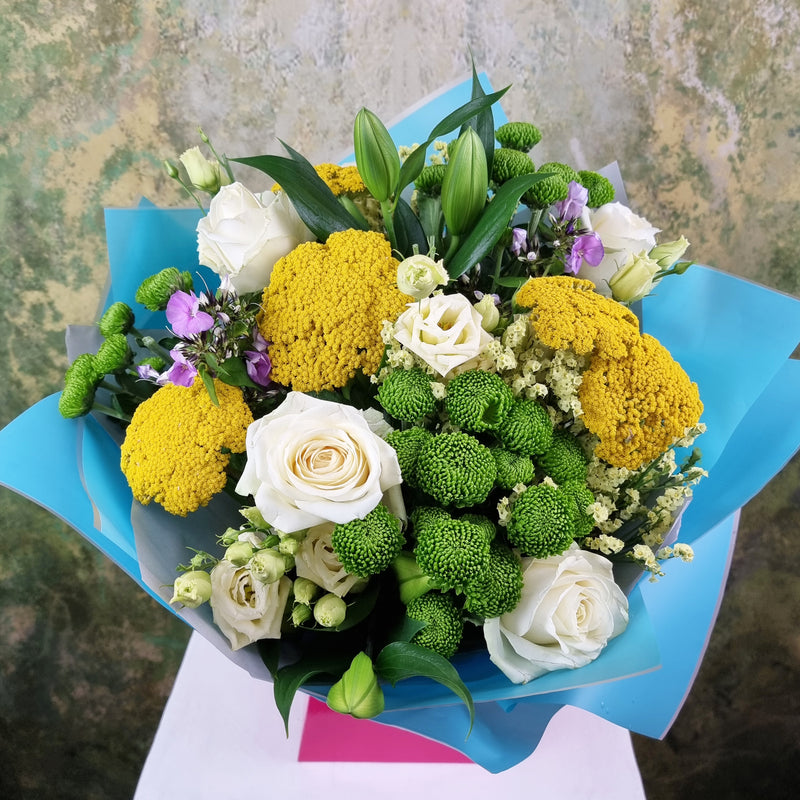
(387, 209)
(111, 412)
(452, 248)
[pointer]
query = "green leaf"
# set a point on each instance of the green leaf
(270, 652)
(233, 371)
(407, 629)
(408, 230)
(491, 224)
(413, 165)
(289, 679)
(313, 200)
(208, 382)
(400, 660)
(512, 281)
(482, 122)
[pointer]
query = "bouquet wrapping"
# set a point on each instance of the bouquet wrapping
(734, 339)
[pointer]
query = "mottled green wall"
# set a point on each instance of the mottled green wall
(699, 103)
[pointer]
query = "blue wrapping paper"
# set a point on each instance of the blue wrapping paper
(712, 323)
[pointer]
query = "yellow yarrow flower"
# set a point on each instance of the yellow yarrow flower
(172, 451)
(567, 314)
(340, 180)
(639, 404)
(324, 307)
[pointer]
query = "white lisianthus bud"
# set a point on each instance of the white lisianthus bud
(192, 589)
(239, 553)
(268, 566)
(668, 253)
(330, 610)
(204, 174)
(305, 591)
(419, 275)
(490, 314)
(635, 280)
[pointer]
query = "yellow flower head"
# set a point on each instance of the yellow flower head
(637, 405)
(567, 314)
(340, 180)
(172, 451)
(324, 307)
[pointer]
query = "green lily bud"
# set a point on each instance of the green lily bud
(413, 582)
(635, 280)
(255, 518)
(192, 589)
(665, 255)
(118, 318)
(377, 158)
(268, 566)
(465, 183)
(300, 614)
(305, 591)
(203, 174)
(330, 610)
(239, 553)
(357, 692)
(154, 292)
(114, 354)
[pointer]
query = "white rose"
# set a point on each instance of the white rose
(445, 331)
(245, 609)
(623, 235)
(313, 461)
(419, 275)
(243, 236)
(570, 608)
(317, 561)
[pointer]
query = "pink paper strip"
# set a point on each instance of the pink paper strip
(328, 736)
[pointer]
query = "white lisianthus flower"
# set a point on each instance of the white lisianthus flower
(317, 562)
(419, 275)
(623, 234)
(445, 331)
(204, 174)
(313, 461)
(245, 609)
(243, 235)
(570, 609)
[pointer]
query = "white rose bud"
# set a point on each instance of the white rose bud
(192, 589)
(419, 275)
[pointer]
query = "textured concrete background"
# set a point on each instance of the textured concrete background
(699, 103)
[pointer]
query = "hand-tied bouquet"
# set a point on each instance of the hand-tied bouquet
(425, 373)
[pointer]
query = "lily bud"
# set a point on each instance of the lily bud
(635, 280)
(268, 566)
(465, 183)
(358, 692)
(192, 589)
(239, 553)
(330, 610)
(377, 158)
(665, 255)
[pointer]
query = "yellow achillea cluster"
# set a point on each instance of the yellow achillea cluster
(172, 451)
(324, 306)
(340, 180)
(638, 405)
(567, 314)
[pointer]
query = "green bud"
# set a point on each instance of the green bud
(635, 280)
(665, 255)
(255, 518)
(377, 158)
(520, 136)
(268, 566)
(330, 610)
(203, 174)
(239, 553)
(192, 589)
(465, 184)
(430, 179)
(171, 170)
(114, 354)
(289, 545)
(158, 364)
(83, 371)
(77, 399)
(300, 614)
(118, 318)
(358, 692)
(305, 591)
(230, 536)
(154, 292)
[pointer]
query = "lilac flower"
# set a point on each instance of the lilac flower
(259, 366)
(572, 207)
(182, 372)
(185, 316)
(519, 241)
(586, 248)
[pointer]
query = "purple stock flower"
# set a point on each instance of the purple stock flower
(519, 241)
(259, 366)
(182, 372)
(586, 248)
(185, 316)
(572, 207)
